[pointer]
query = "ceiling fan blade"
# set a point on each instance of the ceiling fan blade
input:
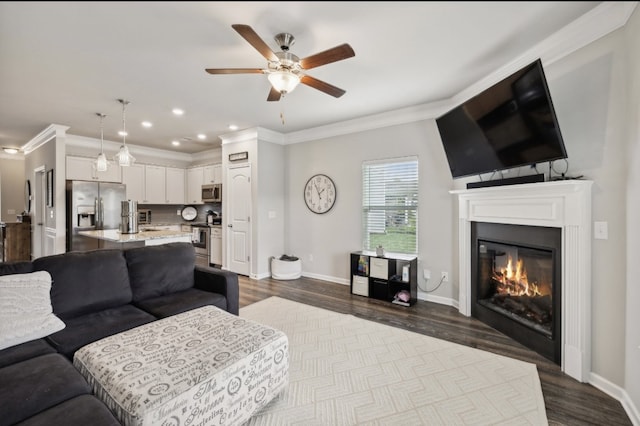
(234, 71)
(254, 40)
(337, 53)
(322, 86)
(274, 95)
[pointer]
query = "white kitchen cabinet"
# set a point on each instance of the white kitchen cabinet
(215, 255)
(81, 168)
(133, 178)
(195, 180)
(213, 173)
(175, 183)
(154, 184)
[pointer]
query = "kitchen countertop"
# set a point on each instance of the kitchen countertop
(114, 235)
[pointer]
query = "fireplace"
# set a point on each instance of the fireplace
(516, 283)
(565, 205)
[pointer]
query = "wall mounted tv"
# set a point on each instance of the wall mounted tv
(510, 124)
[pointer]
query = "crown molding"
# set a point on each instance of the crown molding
(600, 21)
(254, 133)
(84, 142)
(371, 122)
(53, 131)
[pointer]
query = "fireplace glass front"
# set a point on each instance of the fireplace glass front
(516, 283)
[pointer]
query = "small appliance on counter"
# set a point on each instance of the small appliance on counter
(129, 217)
(213, 218)
(144, 216)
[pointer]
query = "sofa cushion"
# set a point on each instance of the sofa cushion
(182, 301)
(24, 352)
(88, 328)
(81, 410)
(159, 270)
(25, 308)
(86, 282)
(32, 386)
(21, 267)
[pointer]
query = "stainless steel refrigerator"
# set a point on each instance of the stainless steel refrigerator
(92, 206)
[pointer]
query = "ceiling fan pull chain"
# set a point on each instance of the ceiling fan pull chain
(282, 112)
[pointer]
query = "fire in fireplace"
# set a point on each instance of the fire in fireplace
(516, 283)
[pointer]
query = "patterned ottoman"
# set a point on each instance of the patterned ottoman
(201, 367)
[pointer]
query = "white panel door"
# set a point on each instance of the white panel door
(238, 200)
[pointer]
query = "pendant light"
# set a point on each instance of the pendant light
(102, 163)
(123, 157)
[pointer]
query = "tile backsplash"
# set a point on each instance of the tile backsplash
(163, 213)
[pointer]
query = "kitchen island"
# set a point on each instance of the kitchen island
(113, 238)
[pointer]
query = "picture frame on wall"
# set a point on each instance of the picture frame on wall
(50, 188)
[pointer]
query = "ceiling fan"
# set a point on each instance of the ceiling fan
(284, 69)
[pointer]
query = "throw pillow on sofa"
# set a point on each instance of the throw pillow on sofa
(25, 308)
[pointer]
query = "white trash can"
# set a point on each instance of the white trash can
(288, 269)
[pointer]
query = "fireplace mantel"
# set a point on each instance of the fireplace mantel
(560, 204)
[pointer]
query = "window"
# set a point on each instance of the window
(390, 205)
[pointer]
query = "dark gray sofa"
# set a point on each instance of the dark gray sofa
(97, 294)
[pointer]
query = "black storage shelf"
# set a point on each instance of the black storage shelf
(381, 278)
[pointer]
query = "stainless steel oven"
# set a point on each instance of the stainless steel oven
(201, 239)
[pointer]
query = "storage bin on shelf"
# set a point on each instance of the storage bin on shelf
(286, 268)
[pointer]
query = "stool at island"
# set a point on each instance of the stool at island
(204, 366)
(286, 268)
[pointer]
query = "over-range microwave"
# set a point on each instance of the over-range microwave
(212, 193)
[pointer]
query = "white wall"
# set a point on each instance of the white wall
(632, 359)
(324, 242)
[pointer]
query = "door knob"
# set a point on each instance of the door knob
(230, 225)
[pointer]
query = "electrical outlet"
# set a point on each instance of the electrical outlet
(310, 258)
(427, 274)
(178, 212)
(444, 276)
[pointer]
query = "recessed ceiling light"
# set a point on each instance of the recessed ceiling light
(175, 143)
(177, 111)
(233, 127)
(147, 124)
(202, 136)
(10, 150)
(122, 133)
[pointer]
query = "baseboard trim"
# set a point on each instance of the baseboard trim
(336, 280)
(615, 391)
(438, 299)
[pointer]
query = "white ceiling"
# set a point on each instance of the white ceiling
(63, 62)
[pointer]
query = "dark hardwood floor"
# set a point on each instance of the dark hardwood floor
(568, 402)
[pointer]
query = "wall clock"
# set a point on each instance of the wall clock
(320, 193)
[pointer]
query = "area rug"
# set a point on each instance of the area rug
(346, 370)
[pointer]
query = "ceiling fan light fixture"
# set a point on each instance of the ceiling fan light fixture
(283, 81)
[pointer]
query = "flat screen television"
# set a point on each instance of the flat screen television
(511, 124)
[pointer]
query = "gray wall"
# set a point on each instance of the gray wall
(323, 242)
(11, 188)
(632, 366)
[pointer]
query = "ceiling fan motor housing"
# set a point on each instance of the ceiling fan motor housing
(285, 41)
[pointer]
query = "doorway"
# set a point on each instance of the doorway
(238, 201)
(39, 214)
